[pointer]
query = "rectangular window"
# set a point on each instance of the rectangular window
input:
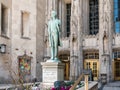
(4, 20)
(116, 54)
(68, 15)
(117, 15)
(25, 24)
(91, 55)
(93, 17)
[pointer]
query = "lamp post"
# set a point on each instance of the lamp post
(2, 48)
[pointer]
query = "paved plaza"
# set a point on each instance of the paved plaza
(111, 86)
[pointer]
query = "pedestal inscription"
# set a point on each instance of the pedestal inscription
(52, 71)
(49, 75)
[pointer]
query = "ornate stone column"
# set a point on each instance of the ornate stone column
(105, 38)
(80, 35)
(76, 59)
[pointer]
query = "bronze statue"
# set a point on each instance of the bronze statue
(54, 36)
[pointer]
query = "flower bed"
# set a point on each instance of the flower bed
(65, 85)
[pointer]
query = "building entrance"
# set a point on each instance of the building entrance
(65, 59)
(117, 70)
(93, 65)
(66, 70)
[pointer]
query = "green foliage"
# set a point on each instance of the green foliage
(69, 83)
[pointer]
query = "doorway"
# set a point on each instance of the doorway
(65, 59)
(93, 65)
(117, 70)
(67, 69)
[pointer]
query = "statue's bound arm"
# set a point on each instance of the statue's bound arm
(58, 25)
(59, 31)
(49, 33)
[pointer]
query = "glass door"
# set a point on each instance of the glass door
(117, 70)
(93, 65)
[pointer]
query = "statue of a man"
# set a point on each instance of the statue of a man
(54, 36)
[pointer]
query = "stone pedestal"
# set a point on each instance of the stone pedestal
(51, 72)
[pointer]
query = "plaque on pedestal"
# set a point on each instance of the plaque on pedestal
(51, 72)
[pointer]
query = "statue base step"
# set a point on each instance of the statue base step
(46, 86)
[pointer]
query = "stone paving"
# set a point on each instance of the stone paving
(6, 86)
(112, 86)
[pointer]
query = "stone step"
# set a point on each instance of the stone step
(111, 88)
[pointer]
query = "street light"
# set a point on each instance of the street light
(2, 48)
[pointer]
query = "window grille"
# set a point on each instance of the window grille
(93, 17)
(68, 15)
(91, 55)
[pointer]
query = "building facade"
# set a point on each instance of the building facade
(90, 35)
(4, 14)
(20, 21)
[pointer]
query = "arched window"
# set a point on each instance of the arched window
(93, 17)
(117, 15)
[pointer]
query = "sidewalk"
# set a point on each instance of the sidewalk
(14, 87)
(6, 86)
(112, 86)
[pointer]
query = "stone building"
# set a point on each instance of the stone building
(5, 27)
(89, 32)
(90, 35)
(20, 21)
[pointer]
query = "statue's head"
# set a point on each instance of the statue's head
(53, 14)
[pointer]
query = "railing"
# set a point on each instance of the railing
(76, 83)
(85, 73)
